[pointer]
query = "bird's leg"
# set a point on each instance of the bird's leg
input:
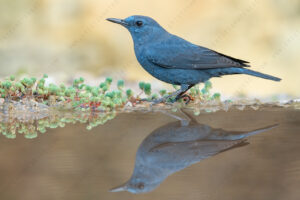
(177, 93)
(181, 95)
(163, 99)
(185, 120)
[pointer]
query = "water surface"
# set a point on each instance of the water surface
(205, 162)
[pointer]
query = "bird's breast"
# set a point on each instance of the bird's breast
(142, 59)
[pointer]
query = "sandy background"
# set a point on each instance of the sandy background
(67, 39)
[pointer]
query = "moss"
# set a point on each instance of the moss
(129, 93)
(120, 84)
(83, 97)
(147, 88)
(108, 80)
(162, 92)
(142, 85)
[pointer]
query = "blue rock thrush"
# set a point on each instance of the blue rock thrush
(174, 60)
(173, 147)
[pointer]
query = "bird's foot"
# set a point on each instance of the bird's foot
(166, 100)
(177, 94)
(157, 101)
(186, 98)
(145, 99)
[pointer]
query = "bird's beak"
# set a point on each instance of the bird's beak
(118, 21)
(120, 188)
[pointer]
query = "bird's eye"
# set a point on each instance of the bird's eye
(139, 23)
(141, 186)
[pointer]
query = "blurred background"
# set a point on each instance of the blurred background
(71, 38)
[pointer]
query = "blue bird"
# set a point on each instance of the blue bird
(174, 60)
(174, 146)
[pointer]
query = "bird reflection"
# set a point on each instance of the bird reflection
(175, 146)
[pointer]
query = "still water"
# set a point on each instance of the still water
(249, 154)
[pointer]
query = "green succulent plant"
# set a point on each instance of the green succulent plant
(84, 97)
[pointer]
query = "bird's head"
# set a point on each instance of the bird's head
(136, 186)
(141, 27)
(144, 179)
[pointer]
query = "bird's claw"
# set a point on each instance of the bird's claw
(163, 100)
(145, 100)
(157, 101)
(186, 98)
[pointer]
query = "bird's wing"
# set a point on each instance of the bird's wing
(199, 148)
(180, 54)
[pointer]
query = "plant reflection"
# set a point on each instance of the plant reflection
(31, 126)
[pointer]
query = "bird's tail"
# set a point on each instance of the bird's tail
(260, 130)
(238, 135)
(258, 74)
